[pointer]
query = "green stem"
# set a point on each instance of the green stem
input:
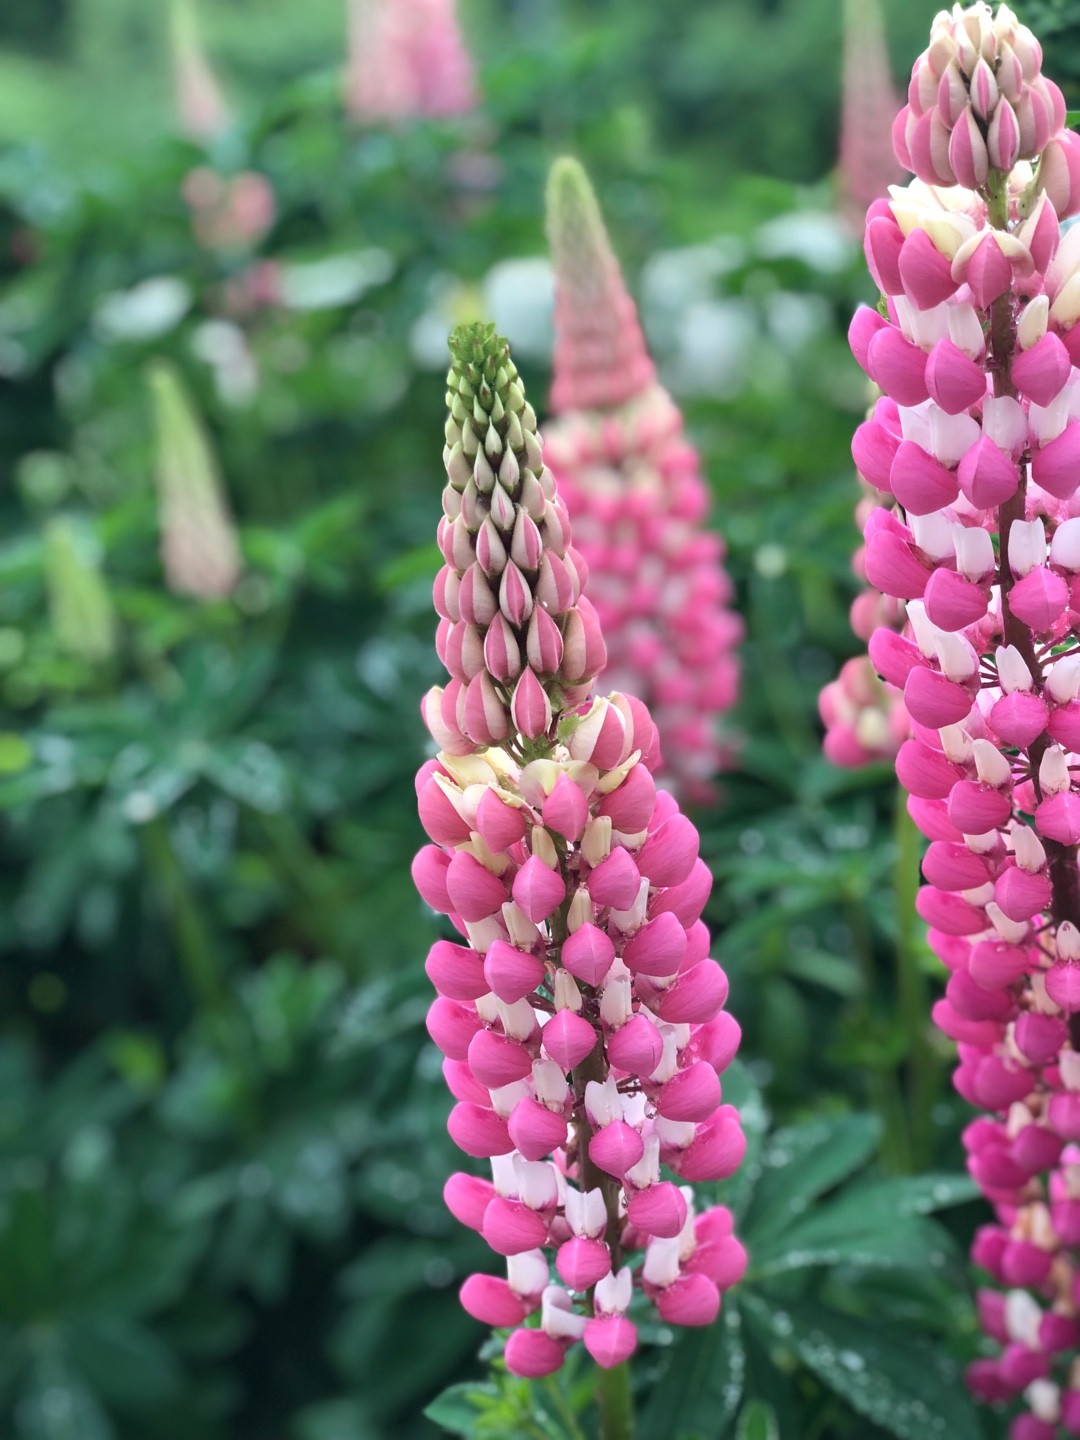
(616, 1404)
(194, 945)
(562, 1405)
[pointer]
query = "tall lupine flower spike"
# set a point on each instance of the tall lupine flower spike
(869, 104)
(199, 549)
(581, 1018)
(200, 104)
(977, 440)
(634, 489)
(407, 60)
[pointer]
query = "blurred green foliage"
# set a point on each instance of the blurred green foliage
(222, 1135)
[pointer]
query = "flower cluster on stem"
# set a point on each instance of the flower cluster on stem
(977, 438)
(579, 1013)
(634, 489)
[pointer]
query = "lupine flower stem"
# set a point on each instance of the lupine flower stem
(616, 1399)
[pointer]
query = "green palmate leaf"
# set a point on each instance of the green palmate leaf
(801, 1163)
(908, 1387)
(700, 1390)
(459, 1407)
(828, 1239)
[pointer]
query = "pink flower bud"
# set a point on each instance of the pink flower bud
(925, 273)
(499, 825)
(474, 892)
(716, 1152)
(658, 1210)
(975, 808)
(530, 707)
(952, 866)
(987, 476)
(1039, 599)
(497, 1059)
(1036, 1148)
(1042, 371)
(657, 948)
(893, 657)
(489, 1299)
(610, 1339)
(696, 996)
(456, 971)
(1019, 718)
(948, 912)
(1063, 981)
(669, 853)
(934, 700)
(530, 1354)
(509, 973)
(452, 1027)
(898, 366)
(581, 1262)
(687, 900)
(1039, 1038)
(1023, 1263)
(1058, 817)
(973, 1002)
(485, 715)
(467, 1197)
(616, 881)
(568, 1038)
(954, 603)
(616, 1148)
(1020, 894)
(630, 805)
(538, 890)
(1054, 465)
(866, 323)
(584, 653)
(636, 1047)
(566, 810)
(588, 954)
(954, 380)
(479, 1132)
(988, 272)
(893, 568)
(873, 448)
(429, 869)
(692, 1300)
(882, 242)
(692, 1094)
(511, 1227)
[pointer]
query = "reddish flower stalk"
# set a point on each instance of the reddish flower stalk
(635, 492)
(580, 1016)
(977, 441)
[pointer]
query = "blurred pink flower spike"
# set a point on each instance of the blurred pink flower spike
(201, 108)
(581, 1018)
(407, 60)
(634, 489)
(867, 164)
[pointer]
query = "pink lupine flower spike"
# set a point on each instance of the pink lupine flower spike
(977, 441)
(635, 492)
(579, 1012)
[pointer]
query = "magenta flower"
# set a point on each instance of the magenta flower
(580, 1015)
(634, 489)
(407, 60)
(977, 442)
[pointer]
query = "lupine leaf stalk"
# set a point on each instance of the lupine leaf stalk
(978, 441)
(579, 1013)
(407, 60)
(635, 492)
